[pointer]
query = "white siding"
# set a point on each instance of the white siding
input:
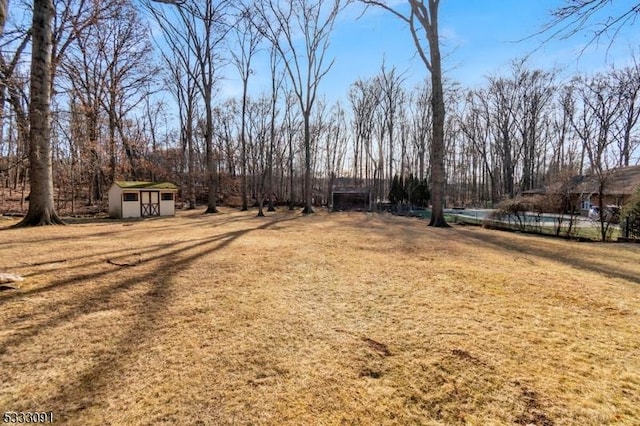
(131, 208)
(167, 207)
(119, 208)
(115, 201)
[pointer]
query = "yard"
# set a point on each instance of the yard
(344, 318)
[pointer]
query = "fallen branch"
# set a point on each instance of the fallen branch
(49, 262)
(111, 262)
(126, 264)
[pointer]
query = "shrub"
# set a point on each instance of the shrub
(514, 210)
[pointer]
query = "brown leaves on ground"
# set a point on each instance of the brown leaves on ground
(322, 319)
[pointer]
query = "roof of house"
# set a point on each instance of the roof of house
(618, 181)
(144, 185)
(558, 187)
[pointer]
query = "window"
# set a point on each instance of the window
(167, 196)
(130, 196)
(586, 203)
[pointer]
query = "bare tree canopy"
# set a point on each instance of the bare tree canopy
(282, 23)
(595, 16)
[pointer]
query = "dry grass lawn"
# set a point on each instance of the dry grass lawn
(346, 318)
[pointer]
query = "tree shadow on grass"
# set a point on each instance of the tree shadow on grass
(60, 284)
(205, 220)
(65, 258)
(524, 246)
(404, 232)
(155, 301)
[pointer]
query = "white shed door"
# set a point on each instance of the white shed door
(150, 203)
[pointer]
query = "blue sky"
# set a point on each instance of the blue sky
(480, 38)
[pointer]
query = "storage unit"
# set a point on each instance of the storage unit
(142, 199)
(359, 199)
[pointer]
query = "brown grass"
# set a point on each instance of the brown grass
(320, 320)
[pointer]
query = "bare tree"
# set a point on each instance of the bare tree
(535, 92)
(299, 30)
(202, 27)
(247, 41)
(363, 97)
(335, 146)
(126, 55)
(109, 69)
(391, 95)
(597, 103)
(13, 88)
(41, 206)
(291, 127)
(182, 73)
(575, 16)
(71, 18)
(475, 123)
(87, 77)
(627, 81)
(422, 127)
(422, 19)
(276, 83)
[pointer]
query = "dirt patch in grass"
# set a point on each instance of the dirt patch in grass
(322, 319)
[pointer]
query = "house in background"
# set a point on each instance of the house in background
(619, 185)
(142, 199)
(582, 191)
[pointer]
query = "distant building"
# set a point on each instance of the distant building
(359, 199)
(619, 185)
(142, 199)
(582, 190)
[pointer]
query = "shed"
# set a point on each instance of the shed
(351, 199)
(142, 199)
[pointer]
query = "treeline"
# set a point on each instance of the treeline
(520, 131)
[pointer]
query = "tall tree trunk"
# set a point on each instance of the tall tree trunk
(291, 179)
(243, 152)
(4, 9)
(192, 160)
(437, 144)
(112, 138)
(308, 208)
(211, 163)
(426, 14)
(95, 190)
(41, 205)
(272, 140)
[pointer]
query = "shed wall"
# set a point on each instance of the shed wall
(131, 208)
(167, 207)
(115, 201)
